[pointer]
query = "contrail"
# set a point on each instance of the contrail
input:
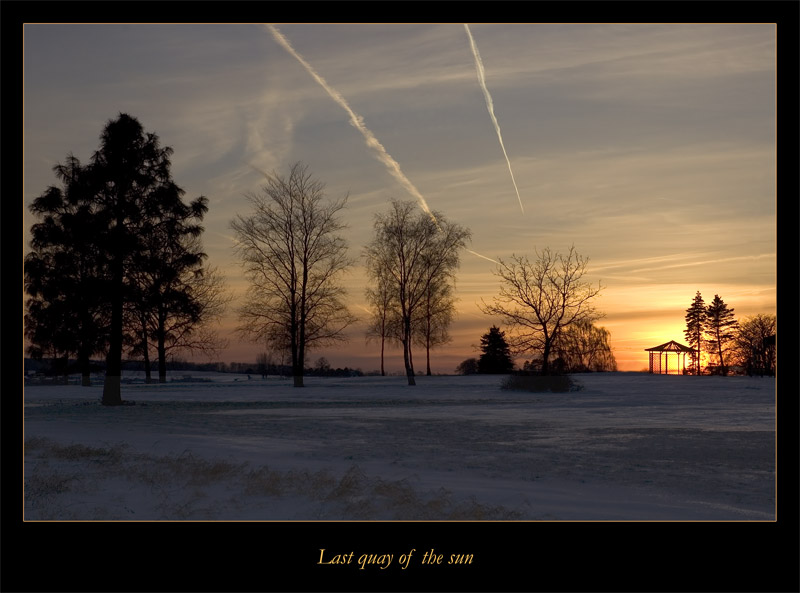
(356, 121)
(483, 256)
(490, 106)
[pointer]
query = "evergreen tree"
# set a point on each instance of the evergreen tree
(496, 357)
(695, 326)
(115, 246)
(720, 329)
(130, 191)
(63, 274)
(165, 277)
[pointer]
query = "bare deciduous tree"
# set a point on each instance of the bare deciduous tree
(755, 344)
(293, 256)
(435, 315)
(540, 298)
(384, 323)
(410, 251)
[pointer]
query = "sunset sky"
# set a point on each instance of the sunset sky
(649, 147)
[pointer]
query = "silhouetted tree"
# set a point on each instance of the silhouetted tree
(695, 327)
(583, 347)
(468, 367)
(755, 344)
(178, 297)
(64, 273)
(496, 357)
(411, 250)
(435, 315)
(293, 256)
(720, 329)
(384, 322)
(130, 184)
(539, 299)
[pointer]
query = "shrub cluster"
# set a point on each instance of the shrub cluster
(537, 383)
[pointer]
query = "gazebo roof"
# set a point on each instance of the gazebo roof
(671, 346)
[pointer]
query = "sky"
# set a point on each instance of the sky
(650, 148)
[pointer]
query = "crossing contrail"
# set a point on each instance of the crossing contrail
(356, 121)
(490, 107)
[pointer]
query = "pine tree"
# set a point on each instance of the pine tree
(695, 326)
(720, 329)
(496, 357)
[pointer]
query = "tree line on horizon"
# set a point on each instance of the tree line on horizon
(117, 266)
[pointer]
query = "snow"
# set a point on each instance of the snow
(623, 447)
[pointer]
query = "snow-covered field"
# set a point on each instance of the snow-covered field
(626, 446)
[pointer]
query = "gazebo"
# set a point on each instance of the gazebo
(656, 365)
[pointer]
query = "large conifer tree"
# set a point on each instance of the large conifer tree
(132, 187)
(695, 327)
(720, 329)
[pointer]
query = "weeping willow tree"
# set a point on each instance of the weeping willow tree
(583, 346)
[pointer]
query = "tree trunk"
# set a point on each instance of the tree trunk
(148, 375)
(146, 353)
(297, 363)
(428, 358)
(112, 395)
(383, 373)
(545, 357)
(162, 359)
(407, 352)
(298, 356)
(406, 360)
